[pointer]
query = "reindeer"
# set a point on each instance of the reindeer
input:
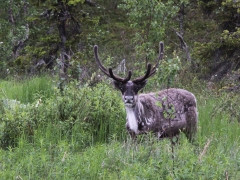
(165, 113)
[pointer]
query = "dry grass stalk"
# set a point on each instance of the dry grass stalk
(204, 149)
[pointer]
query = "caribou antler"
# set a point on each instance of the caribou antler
(109, 72)
(150, 71)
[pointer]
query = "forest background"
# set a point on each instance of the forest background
(60, 117)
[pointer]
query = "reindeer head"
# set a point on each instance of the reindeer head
(129, 89)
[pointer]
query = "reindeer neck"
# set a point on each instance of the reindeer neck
(132, 118)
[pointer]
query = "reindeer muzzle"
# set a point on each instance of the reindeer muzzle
(129, 100)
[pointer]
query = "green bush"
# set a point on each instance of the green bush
(93, 114)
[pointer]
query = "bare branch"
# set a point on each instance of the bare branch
(184, 44)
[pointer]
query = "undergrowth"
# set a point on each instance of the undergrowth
(95, 113)
(80, 134)
(26, 90)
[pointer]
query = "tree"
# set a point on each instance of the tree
(150, 19)
(14, 30)
(218, 49)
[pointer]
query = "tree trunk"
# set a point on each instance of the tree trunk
(63, 16)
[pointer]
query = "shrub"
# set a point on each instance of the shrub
(92, 114)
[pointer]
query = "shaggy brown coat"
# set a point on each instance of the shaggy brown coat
(165, 113)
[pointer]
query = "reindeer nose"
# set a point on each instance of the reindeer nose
(128, 98)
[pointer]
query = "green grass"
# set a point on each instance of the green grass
(26, 90)
(51, 154)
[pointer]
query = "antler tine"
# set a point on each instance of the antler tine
(117, 78)
(160, 57)
(150, 71)
(104, 70)
(142, 78)
(109, 72)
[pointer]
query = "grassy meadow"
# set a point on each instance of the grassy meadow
(79, 133)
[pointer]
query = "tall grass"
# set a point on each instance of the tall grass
(91, 111)
(52, 154)
(25, 90)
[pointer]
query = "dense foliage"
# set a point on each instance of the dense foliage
(69, 123)
(74, 109)
(79, 133)
(59, 35)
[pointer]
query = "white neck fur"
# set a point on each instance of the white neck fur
(132, 120)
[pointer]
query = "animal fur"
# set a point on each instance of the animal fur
(151, 114)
